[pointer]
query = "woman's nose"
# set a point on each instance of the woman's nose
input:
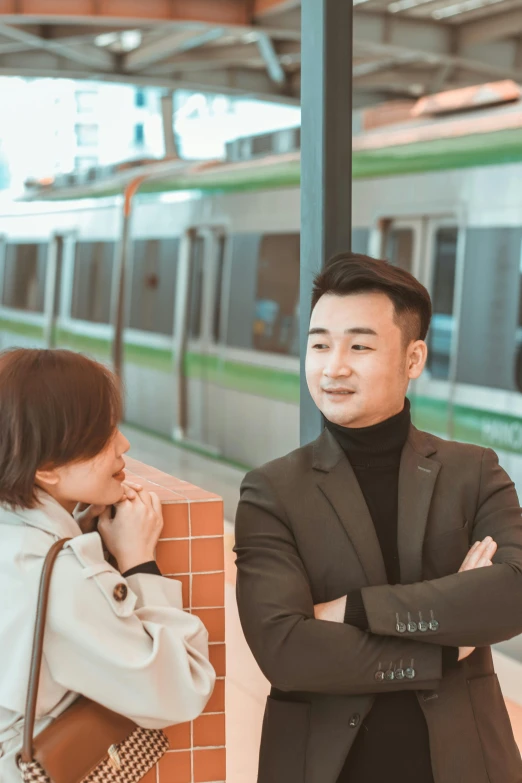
(123, 444)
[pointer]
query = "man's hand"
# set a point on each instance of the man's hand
(479, 556)
(332, 610)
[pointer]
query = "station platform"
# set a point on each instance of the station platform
(246, 687)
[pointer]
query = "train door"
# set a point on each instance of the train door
(197, 328)
(60, 252)
(428, 247)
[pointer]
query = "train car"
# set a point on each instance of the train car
(198, 283)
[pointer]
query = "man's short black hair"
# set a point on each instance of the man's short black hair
(354, 273)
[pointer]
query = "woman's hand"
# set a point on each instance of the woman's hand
(87, 515)
(132, 535)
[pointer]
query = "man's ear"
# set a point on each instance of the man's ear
(46, 477)
(417, 356)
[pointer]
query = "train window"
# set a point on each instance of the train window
(24, 276)
(220, 263)
(197, 259)
(398, 248)
(490, 308)
(92, 283)
(264, 292)
(277, 293)
(442, 294)
(154, 270)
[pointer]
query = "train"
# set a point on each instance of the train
(186, 276)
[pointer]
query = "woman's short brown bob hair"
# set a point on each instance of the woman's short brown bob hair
(56, 407)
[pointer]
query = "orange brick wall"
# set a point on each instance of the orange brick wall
(191, 549)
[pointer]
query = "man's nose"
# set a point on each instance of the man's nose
(337, 365)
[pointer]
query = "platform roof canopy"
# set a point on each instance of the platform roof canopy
(402, 48)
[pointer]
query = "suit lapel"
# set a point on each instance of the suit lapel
(417, 477)
(338, 482)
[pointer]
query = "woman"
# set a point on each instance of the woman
(118, 636)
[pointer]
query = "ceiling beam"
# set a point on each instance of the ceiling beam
(91, 57)
(235, 82)
(169, 45)
(491, 28)
(275, 70)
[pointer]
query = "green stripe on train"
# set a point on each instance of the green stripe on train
(480, 149)
(496, 430)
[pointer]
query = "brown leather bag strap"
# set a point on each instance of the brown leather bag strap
(36, 657)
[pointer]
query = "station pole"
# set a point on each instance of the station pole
(326, 159)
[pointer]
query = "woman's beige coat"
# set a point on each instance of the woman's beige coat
(143, 657)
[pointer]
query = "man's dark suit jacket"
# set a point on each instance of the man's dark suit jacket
(304, 536)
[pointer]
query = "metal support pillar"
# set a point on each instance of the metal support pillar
(167, 116)
(326, 159)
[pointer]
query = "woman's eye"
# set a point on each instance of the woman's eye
(360, 347)
(320, 345)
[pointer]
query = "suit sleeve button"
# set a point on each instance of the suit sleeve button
(434, 626)
(410, 673)
(379, 676)
(401, 627)
(412, 627)
(389, 675)
(355, 720)
(120, 592)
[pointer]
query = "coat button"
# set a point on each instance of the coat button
(379, 676)
(434, 626)
(401, 627)
(354, 721)
(410, 673)
(412, 627)
(399, 674)
(423, 626)
(120, 592)
(389, 675)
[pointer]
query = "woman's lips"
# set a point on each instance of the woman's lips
(119, 476)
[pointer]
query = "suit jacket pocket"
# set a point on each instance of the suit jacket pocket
(501, 754)
(283, 742)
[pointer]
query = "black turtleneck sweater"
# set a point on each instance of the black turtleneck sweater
(393, 741)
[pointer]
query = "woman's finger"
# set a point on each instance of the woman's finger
(133, 485)
(156, 504)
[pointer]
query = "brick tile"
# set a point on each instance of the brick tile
(208, 590)
(150, 777)
(218, 658)
(179, 736)
(207, 554)
(173, 557)
(175, 768)
(209, 731)
(175, 520)
(206, 519)
(198, 494)
(209, 765)
(217, 700)
(214, 622)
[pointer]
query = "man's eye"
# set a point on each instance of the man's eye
(320, 345)
(360, 347)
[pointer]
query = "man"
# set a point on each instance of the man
(377, 564)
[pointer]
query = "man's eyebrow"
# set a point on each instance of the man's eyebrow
(353, 330)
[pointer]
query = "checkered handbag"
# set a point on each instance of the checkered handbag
(87, 743)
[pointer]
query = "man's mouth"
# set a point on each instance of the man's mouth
(338, 391)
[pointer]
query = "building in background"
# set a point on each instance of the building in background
(51, 126)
